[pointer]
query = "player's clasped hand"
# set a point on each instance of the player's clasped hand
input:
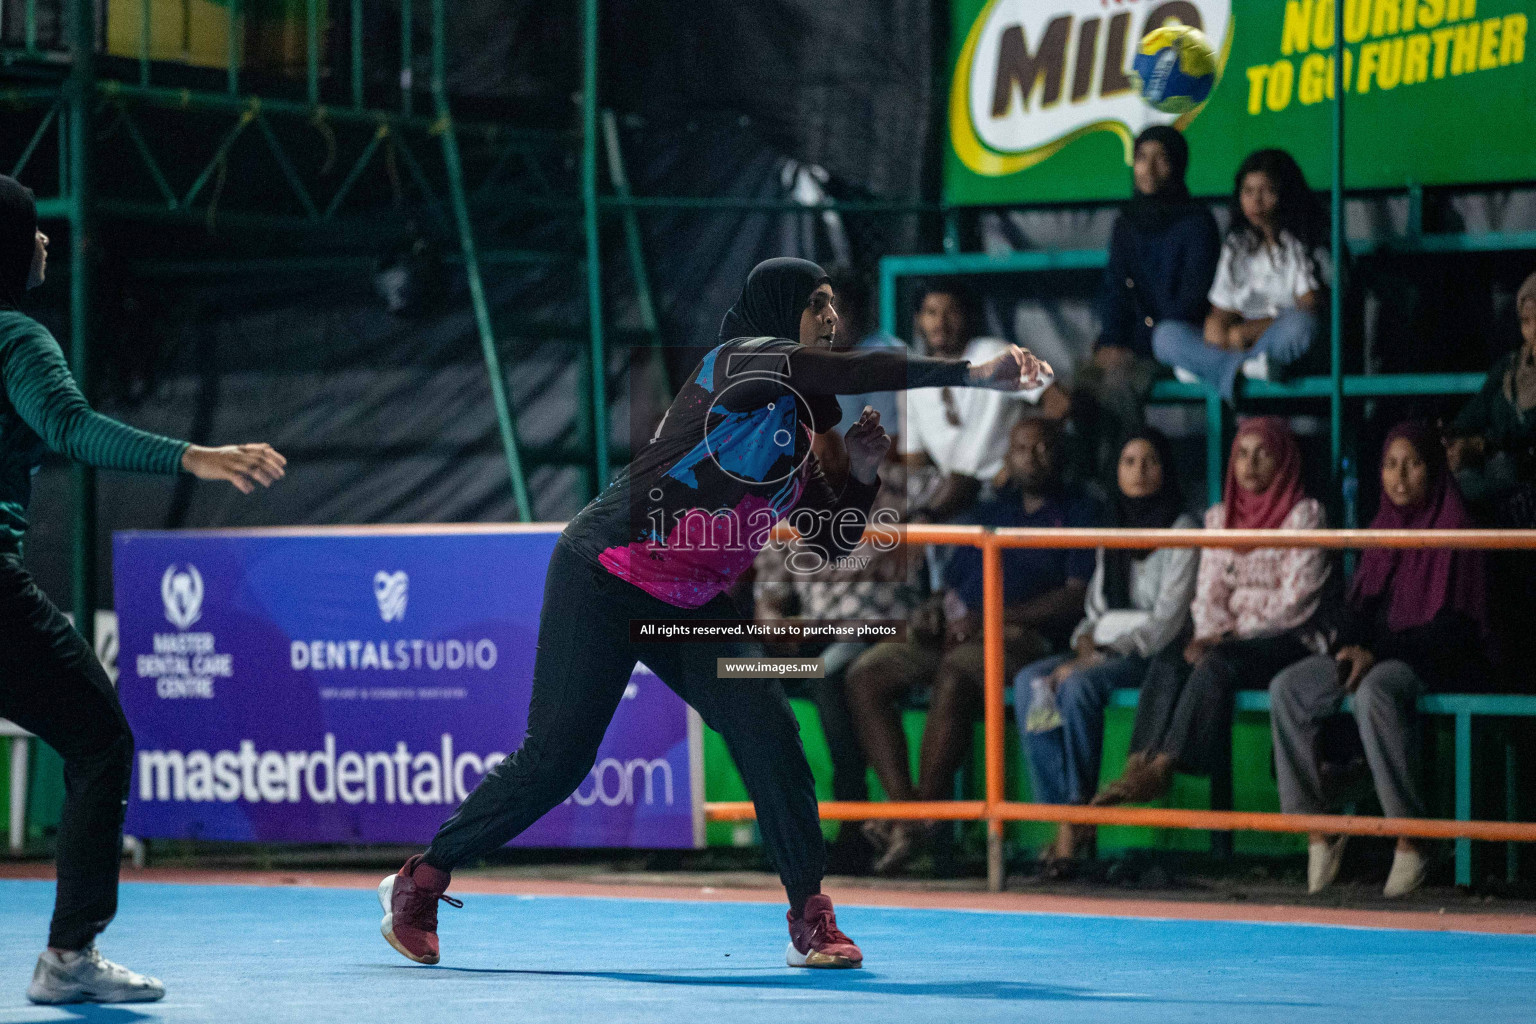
(867, 442)
(1017, 369)
(244, 465)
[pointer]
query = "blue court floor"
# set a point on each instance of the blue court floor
(273, 955)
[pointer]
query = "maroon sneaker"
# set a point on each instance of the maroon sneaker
(410, 909)
(816, 941)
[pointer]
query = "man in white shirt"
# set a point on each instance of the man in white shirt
(959, 434)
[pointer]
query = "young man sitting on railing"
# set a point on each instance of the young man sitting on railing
(1043, 594)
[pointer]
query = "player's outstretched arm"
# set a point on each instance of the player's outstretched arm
(817, 371)
(43, 392)
(244, 465)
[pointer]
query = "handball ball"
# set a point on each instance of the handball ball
(1177, 68)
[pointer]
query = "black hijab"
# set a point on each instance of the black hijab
(775, 295)
(18, 240)
(1171, 202)
(1153, 512)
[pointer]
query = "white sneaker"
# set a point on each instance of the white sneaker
(898, 849)
(1323, 859)
(1183, 376)
(1408, 870)
(1257, 368)
(89, 977)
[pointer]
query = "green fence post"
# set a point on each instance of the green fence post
(144, 42)
(1214, 426)
(236, 47)
(312, 48)
(66, 115)
(407, 55)
(357, 54)
(1463, 794)
(472, 269)
(599, 367)
(887, 297)
(632, 237)
(1511, 809)
(1340, 253)
(82, 93)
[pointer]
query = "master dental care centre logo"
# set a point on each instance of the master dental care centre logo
(185, 662)
(1034, 75)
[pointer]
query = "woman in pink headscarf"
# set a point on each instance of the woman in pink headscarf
(1254, 613)
(1416, 619)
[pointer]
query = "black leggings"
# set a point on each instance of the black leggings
(583, 664)
(1187, 712)
(52, 685)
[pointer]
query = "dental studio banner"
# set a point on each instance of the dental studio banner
(352, 687)
(1042, 105)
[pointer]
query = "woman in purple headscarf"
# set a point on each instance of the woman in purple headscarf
(1416, 619)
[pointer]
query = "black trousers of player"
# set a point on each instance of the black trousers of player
(583, 664)
(52, 685)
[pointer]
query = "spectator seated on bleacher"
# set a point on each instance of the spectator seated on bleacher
(1491, 444)
(1043, 593)
(1163, 251)
(1137, 605)
(1255, 612)
(1416, 619)
(884, 588)
(1266, 295)
(954, 439)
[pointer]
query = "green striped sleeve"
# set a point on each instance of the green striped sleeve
(44, 393)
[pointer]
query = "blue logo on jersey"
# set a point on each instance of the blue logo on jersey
(744, 444)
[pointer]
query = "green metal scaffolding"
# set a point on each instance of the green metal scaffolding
(69, 109)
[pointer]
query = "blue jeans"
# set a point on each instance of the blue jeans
(1064, 762)
(1176, 343)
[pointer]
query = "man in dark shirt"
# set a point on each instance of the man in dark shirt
(1163, 253)
(1043, 592)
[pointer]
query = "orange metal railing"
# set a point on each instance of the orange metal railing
(995, 809)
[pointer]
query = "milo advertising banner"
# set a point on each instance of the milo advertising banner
(1043, 106)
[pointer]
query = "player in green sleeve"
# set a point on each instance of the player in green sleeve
(50, 681)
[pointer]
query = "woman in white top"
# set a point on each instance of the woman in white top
(1265, 298)
(1137, 604)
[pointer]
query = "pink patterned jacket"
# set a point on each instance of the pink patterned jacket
(1264, 591)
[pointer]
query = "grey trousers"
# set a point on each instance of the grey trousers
(1310, 691)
